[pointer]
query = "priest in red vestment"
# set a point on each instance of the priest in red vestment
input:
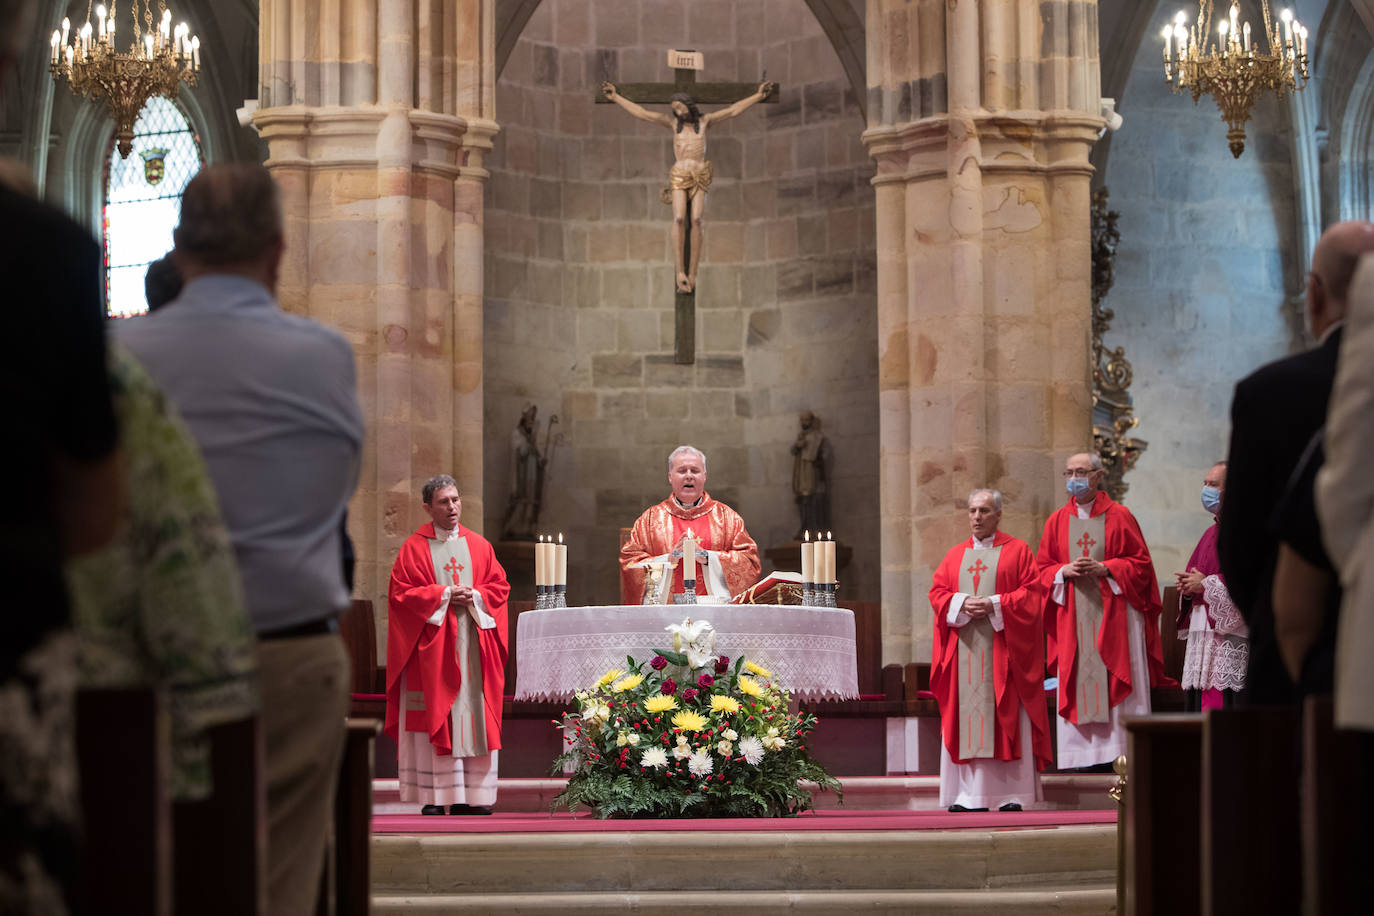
(446, 660)
(988, 667)
(727, 559)
(1101, 617)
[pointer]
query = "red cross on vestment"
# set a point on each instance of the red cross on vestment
(454, 568)
(977, 569)
(1086, 542)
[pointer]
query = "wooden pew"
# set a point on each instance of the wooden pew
(1251, 855)
(1335, 811)
(1163, 797)
(346, 883)
(123, 752)
(221, 841)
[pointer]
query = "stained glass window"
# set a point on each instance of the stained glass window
(143, 201)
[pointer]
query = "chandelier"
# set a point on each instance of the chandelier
(1233, 70)
(158, 60)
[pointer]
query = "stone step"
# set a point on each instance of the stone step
(1063, 791)
(1048, 859)
(1094, 900)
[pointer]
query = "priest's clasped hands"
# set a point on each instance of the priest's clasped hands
(977, 608)
(460, 596)
(1085, 566)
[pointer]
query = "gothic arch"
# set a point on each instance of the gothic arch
(839, 20)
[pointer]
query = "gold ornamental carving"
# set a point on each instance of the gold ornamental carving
(1113, 410)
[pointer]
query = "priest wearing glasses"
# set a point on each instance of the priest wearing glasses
(1101, 617)
(727, 559)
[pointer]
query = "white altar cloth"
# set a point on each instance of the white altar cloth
(809, 650)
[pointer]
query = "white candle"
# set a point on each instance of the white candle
(66, 27)
(560, 574)
(100, 14)
(1167, 35)
(828, 562)
(56, 37)
(689, 558)
(1246, 35)
(541, 573)
(808, 553)
(195, 53)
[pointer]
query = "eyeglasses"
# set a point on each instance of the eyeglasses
(1080, 472)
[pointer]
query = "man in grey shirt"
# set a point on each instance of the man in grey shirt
(271, 400)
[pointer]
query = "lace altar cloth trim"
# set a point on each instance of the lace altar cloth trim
(563, 650)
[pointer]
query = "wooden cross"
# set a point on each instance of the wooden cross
(685, 80)
(1086, 542)
(977, 569)
(454, 568)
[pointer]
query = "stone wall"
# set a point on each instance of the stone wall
(1207, 259)
(579, 294)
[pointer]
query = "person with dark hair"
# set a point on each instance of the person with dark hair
(162, 283)
(271, 400)
(691, 173)
(446, 654)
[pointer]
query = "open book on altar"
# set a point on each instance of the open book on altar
(774, 588)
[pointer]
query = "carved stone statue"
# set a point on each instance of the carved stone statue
(691, 172)
(528, 464)
(812, 465)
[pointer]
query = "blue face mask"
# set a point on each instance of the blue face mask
(1211, 499)
(1077, 486)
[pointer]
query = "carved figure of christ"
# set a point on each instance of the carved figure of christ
(691, 173)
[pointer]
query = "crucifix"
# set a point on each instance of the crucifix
(691, 173)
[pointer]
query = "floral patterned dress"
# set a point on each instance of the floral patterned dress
(163, 604)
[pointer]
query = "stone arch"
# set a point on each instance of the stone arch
(839, 20)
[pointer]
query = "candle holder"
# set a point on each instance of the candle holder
(688, 595)
(560, 596)
(808, 596)
(831, 589)
(541, 597)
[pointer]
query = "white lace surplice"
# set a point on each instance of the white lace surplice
(1217, 656)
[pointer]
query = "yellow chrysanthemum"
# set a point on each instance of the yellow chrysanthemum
(630, 682)
(757, 669)
(727, 705)
(750, 686)
(610, 676)
(660, 703)
(689, 721)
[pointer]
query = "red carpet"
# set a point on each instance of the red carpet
(533, 822)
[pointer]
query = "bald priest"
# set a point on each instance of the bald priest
(988, 667)
(727, 557)
(446, 659)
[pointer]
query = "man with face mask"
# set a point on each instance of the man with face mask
(1218, 640)
(1101, 617)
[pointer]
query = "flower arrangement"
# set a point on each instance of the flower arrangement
(689, 734)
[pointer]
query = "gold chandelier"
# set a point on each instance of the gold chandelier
(159, 59)
(1233, 70)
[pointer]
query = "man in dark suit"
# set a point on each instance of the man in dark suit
(1275, 412)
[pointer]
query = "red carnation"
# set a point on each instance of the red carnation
(669, 686)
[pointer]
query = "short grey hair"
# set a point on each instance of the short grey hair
(1096, 461)
(995, 494)
(686, 450)
(435, 484)
(230, 214)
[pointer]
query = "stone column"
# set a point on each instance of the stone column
(981, 119)
(377, 116)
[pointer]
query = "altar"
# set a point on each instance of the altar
(809, 650)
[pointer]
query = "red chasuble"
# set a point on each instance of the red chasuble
(1127, 557)
(426, 654)
(716, 527)
(1018, 661)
